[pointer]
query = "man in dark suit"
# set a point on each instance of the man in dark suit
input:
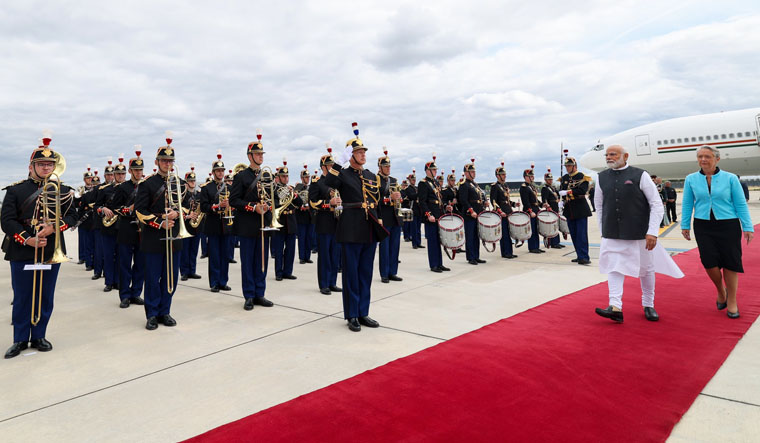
(503, 207)
(431, 207)
(325, 204)
(389, 198)
(215, 204)
(304, 219)
(550, 199)
(472, 202)
(284, 239)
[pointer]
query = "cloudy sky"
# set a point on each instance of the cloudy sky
(490, 79)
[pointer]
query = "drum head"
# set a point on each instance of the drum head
(518, 218)
(489, 218)
(450, 221)
(548, 216)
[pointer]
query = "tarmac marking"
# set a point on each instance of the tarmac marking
(730, 399)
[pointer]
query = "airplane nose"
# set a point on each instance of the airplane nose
(594, 160)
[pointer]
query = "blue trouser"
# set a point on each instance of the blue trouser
(389, 249)
(554, 241)
(284, 246)
(505, 244)
(158, 298)
(304, 241)
(416, 231)
(254, 279)
(406, 227)
(131, 271)
(108, 244)
(357, 278)
(533, 241)
(81, 245)
(98, 254)
(579, 235)
(204, 243)
(435, 257)
(218, 260)
(89, 247)
(328, 260)
(313, 231)
(231, 242)
(189, 255)
(22, 282)
(472, 242)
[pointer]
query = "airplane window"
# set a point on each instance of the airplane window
(715, 136)
(731, 135)
(664, 142)
(679, 140)
(746, 134)
(707, 137)
(659, 142)
(723, 136)
(701, 138)
(672, 141)
(694, 139)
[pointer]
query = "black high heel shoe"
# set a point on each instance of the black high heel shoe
(721, 306)
(732, 314)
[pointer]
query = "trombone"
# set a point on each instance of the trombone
(50, 196)
(173, 202)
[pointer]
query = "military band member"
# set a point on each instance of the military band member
(449, 193)
(389, 198)
(27, 233)
(431, 207)
(359, 230)
(215, 204)
(471, 201)
(192, 208)
(406, 226)
(84, 222)
(550, 200)
(131, 260)
(254, 242)
(98, 214)
(284, 240)
(201, 234)
(324, 203)
(303, 217)
(573, 190)
(108, 233)
(158, 238)
(232, 240)
(503, 206)
(412, 194)
(530, 204)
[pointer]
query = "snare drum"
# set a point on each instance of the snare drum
(519, 225)
(489, 227)
(563, 227)
(548, 224)
(451, 231)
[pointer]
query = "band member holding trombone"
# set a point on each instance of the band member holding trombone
(253, 214)
(431, 207)
(131, 260)
(215, 203)
(35, 213)
(157, 207)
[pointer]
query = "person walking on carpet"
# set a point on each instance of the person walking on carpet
(721, 219)
(630, 211)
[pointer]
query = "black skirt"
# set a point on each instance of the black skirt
(719, 243)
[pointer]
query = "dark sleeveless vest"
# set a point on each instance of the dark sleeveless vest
(626, 209)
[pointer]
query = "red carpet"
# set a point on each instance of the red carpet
(556, 372)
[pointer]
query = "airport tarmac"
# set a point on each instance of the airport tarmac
(109, 379)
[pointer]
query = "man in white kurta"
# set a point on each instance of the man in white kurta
(640, 257)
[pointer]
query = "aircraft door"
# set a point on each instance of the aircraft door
(757, 120)
(642, 145)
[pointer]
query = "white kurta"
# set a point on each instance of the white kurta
(630, 257)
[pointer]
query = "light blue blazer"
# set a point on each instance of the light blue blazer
(725, 198)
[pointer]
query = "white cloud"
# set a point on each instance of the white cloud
(492, 79)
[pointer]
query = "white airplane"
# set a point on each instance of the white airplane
(668, 148)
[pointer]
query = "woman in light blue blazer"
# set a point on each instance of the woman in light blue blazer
(721, 218)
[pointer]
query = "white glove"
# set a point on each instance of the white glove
(562, 193)
(561, 205)
(345, 156)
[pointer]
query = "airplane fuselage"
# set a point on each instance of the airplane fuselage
(668, 148)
